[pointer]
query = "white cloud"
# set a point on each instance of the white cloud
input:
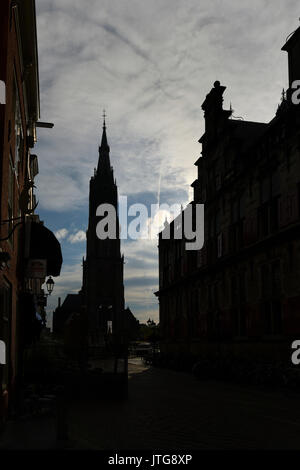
(150, 64)
(61, 234)
(77, 237)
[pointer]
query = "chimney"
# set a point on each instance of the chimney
(292, 47)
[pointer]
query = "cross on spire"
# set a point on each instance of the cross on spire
(104, 117)
(104, 147)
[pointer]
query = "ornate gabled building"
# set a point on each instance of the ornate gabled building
(103, 287)
(240, 294)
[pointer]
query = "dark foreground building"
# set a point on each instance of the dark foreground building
(28, 250)
(240, 294)
(63, 313)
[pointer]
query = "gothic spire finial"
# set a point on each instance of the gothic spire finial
(104, 161)
(104, 143)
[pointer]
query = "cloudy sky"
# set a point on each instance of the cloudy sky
(150, 64)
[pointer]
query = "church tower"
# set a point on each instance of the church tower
(103, 286)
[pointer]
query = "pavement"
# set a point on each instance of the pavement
(174, 410)
(169, 410)
(31, 434)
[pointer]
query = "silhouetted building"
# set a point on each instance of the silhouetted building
(28, 250)
(132, 325)
(240, 294)
(101, 299)
(103, 287)
(71, 305)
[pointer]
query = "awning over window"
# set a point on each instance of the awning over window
(44, 245)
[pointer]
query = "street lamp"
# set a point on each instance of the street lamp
(50, 285)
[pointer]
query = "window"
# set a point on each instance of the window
(109, 327)
(216, 296)
(233, 291)
(19, 138)
(242, 325)
(265, 190)
(238, 300)
(274, 204)
(10, 199)
(276, 296)
(236, 229)
(276, 279)
(213, 311)
(264, 220)
(271, 298)
(242, 206)
(234, 211)
(274, 214)
(288, 159)
(250, 187)
(209, 301)
(268, 212)
(220, 245)
(224, 204)
(265, 291)
(194, 312)
(275, 181)
(218, 222)
(178, 316)
(242, 279)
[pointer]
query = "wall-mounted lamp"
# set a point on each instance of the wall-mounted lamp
(50, 285)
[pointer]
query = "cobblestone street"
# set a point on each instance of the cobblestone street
(173, 410)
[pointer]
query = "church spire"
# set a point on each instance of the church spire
(104, 143)
(104, 160)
